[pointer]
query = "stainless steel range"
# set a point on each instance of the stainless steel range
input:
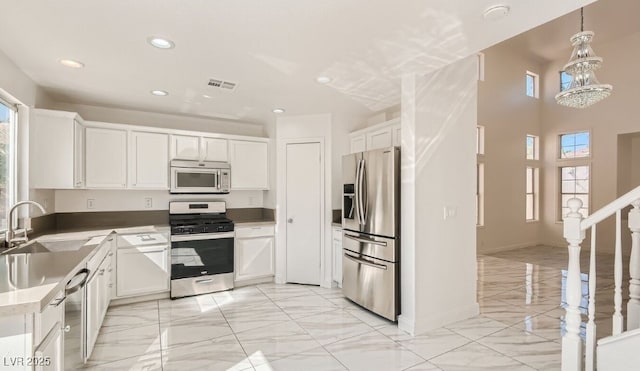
(201, 248)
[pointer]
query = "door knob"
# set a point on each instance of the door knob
(290, 220)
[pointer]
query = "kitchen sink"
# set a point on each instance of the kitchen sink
(48, 246)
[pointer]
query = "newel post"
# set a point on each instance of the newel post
(633, 307)
(571, 342)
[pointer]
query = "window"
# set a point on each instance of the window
(531, 191)
(531, 84)
(480, 175)
(565, 81)
(574, 182)
(480, 140)
(532, 147)
(480, 194)
(574, 145)
(7, 189)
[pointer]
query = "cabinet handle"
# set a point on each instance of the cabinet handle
(58, 302)
(110, 269)
(66, 328)
(111, 254)
(101, 272)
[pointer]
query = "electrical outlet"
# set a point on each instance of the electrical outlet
(45, 204)
(91, 203)
(449, 212)
(148, 202)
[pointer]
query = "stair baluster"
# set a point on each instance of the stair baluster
(633, 306)
(618, 320)
(590, 347)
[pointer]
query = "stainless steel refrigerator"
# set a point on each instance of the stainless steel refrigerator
(371, 229)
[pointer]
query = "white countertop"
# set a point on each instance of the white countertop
(29, 281)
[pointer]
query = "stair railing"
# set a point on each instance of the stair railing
(575, 227)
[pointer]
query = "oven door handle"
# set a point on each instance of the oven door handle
(202, 236)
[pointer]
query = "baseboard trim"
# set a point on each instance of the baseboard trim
(138, 299)
(496, 249)
(406, 324)
(438, 320)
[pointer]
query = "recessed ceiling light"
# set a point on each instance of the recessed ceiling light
(161, 43)
(207, 96)
(496, 12)
(323, 79)
(159, 93)
(71, 63)
(278, 110)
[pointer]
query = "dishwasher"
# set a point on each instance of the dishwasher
(74, 321)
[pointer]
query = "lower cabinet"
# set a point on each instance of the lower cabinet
(254, 252)
(98, 299)
(337, 255)
(142, 270)
(49, 355)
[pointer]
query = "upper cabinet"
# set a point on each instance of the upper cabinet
(185, 147)
(249, 164)
(386, 134)
(56, 145)
(148, 163)
(105, 158)
(214, 149)
(198, 148)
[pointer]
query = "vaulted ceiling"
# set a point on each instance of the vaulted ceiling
(273, 50)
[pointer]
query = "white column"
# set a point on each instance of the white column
(571, 342)
(633, 307)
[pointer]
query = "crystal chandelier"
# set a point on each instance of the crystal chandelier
(585, 89)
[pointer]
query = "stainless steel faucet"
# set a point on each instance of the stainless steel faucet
(10, 236)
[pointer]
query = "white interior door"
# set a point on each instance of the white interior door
(304, 203)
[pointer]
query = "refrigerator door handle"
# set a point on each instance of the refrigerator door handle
(365, 262)
(363, 191)
(364, 240)
(357, 193)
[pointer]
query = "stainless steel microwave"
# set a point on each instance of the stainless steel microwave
(200, 177)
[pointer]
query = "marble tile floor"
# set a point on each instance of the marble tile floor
(296, 327)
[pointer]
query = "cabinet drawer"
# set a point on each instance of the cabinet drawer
(258, 231)
(50, 315)
(103, 250)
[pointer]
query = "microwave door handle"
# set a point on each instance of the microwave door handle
(216, 179)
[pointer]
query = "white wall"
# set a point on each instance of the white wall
(438, 257)
(508, 115)
(160, 120)
(606, 120)
(303, 127)
(128, 200)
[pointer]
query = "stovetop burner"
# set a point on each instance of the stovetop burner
(199, 217)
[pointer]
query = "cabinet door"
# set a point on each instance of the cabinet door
(149, 161)
(106, 158)
(142, 270)
(337, 256)
(50, 354)
(397, 135)
(254, 258)
(185, 147)
(358, 144)
(214, 149)
(51, 150)
(249, 164)
(93, 312)
(382, 138)
(78, 154)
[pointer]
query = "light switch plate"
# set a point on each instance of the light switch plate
(91, 203)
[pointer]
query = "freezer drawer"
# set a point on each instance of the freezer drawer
(372, 283)
(375, 246)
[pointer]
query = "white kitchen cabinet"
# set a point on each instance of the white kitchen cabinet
(185, 147)
(214, 149)
(397, 135)
(337, 255)
(254, 252)
(56, 150)
(49, 355)
(358, 143)
(98, 295)
(148, 163)
(249, 165)
(382, 135)
(106, 157)
(381, 138)
(142, 268)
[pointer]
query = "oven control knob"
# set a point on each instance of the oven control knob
(188, 230)
(179, 230)
(204, 229)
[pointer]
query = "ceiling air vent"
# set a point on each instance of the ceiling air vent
(222, 84)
